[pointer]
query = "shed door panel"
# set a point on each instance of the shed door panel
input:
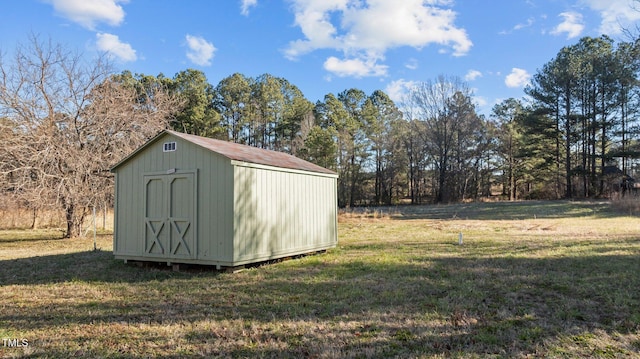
(155, 233)
(181, 208)
(170, 205)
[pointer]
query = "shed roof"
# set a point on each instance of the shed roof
(239, 152)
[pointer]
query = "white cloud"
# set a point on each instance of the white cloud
(88, 13)
(572, 25)
(111, 44)
(200, 50)
(365, 30)
(521, 26)
(472, 75)
(517, 78)
(246, 5)
(480, 101)
(616, 14)
(397, 90)
(354, 67)
(412, 64)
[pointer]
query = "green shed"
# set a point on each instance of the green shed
(188, 199)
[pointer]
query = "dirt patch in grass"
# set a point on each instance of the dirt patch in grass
(396, 286)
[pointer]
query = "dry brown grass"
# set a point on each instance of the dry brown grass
(628, 204)
(560, 284)
(347, 214)
(17, 218)
(20, 218)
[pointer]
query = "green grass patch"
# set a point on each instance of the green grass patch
(561, 284)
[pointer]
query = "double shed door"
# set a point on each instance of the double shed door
(170, 212)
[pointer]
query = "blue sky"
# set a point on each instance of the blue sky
(326, 46)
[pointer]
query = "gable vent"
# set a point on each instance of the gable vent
(169, 147)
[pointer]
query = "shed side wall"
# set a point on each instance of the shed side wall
(281, 213)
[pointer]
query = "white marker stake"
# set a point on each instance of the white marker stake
(94, 228)
(460, 239)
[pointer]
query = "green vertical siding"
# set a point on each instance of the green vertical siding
(280, 213)
(213, 193)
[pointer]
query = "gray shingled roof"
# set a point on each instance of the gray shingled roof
(243, 153)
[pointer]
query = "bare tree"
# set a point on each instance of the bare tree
(66, 122)
(451, 133)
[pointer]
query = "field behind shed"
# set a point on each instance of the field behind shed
(555, 279)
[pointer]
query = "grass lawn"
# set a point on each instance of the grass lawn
(531, 279)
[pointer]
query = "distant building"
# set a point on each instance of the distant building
(618, 181)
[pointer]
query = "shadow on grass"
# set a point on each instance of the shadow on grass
(367, 307)
(16, 236)
(505, 210)
(88, 266)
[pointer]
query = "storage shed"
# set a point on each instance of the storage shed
(187, 199)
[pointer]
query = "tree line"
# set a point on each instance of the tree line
(65, 120)
(582, 120)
